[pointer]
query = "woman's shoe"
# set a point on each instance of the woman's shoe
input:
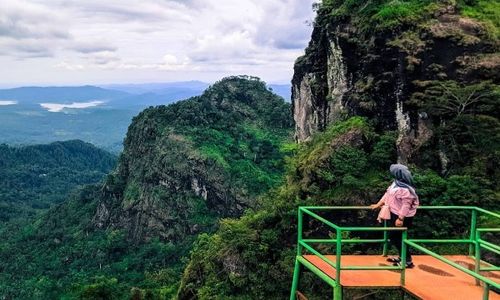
(409, 264)
(394, 259)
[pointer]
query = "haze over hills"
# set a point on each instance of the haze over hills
(99, 115)
(180, 90)
(158, 88)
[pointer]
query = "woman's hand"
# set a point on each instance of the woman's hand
(374, 206)
(399, 223)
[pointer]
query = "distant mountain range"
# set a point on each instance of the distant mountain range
(168, 88)
(184, 89)
(95, 114)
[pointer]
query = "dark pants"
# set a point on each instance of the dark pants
(396, 236)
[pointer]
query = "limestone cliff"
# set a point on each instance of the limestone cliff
(378, 67)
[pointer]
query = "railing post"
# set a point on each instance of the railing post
(299, 232)
(486, 291)
(386, 240)
(337, 292)
(477, 252)
(295, 282)
(473, 225)
(338, 249)
(296, 269)
(403, 256)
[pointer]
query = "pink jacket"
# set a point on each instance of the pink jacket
(401, 201)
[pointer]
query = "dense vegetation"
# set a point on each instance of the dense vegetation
(62, 256)
(237, 124)
(33, 178)
(384, 15)
(434, 61)
(345, 165)
(183, 167)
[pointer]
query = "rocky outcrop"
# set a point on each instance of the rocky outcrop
(347, 72)
(180, 187)
(318, 89)
(183, 167)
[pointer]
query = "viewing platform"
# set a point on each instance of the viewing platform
(434, 276)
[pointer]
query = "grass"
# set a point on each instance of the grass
(487, 12)
(396, 12)
(311, 154)
(216, 153)
(373, 16)
(382, 15)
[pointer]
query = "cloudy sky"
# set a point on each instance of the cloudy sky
(125, 41)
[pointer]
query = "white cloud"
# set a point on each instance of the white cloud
(92, 47)
(126, 11)
(69, 66)
(103, 58)
(21, 19)
(29, 30)
(94, 39)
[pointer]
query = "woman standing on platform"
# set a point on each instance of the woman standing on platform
(401, 201)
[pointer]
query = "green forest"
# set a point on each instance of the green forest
(202, 202)
(34, 178)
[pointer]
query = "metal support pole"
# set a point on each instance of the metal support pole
(295, 282)
(386, 240)
(473, 225)
(338, 249)
(486, 291)
(296, 270)
(299, 232)
(403, 256)
(477, 254)
(337, 291)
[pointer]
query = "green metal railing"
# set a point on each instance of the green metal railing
(476, 244)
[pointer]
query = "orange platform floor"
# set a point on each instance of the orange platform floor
(430, 279)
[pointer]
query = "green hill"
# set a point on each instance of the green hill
(33, 178)
(184, 167)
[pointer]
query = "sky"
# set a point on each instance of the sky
(64, 42)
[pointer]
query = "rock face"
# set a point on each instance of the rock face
(188, 164)
(318, 87)
(347, 72)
